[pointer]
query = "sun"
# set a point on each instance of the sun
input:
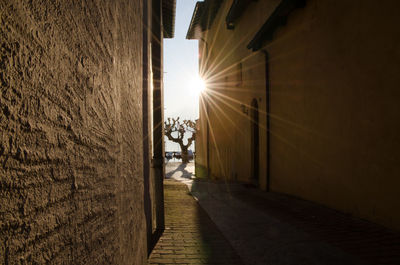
(198, 84)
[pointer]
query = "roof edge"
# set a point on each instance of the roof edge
(197, 13)
(237, 8)
(275, 20)
(168, 18)
(203, 17)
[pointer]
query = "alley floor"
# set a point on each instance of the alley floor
(190, 237)
(231, 223)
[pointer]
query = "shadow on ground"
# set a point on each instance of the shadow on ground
(190, 236)
(270, 228)
(182, 169)
(265, 228)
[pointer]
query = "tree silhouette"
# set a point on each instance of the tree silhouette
(175, 131)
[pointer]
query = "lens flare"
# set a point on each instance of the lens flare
(199, 85)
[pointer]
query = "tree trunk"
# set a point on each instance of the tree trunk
(185, 155)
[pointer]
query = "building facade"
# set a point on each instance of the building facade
(302, 99)
(81, 82)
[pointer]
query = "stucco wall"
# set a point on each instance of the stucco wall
(201, 141)
(334, 103)
(71, 188)
(230, 88)
(333, 70)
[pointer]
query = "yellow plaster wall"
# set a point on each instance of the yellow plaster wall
(335, 107)
(334, 79)
(230, 128)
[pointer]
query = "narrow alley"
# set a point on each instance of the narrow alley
(230, 223)
(236, 132)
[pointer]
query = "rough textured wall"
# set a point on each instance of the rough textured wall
(71, 188)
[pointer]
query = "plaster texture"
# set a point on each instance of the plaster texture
(332, 73)
(71, 170)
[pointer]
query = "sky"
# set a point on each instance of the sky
(180, 70)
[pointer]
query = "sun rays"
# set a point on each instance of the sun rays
(229, 78)
(226, 103)
(196, 86)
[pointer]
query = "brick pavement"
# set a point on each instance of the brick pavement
(370, 242)
(190, 236)
(363, 242)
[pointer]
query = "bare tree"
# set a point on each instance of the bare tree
(175, 131)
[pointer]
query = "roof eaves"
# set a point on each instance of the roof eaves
(277, 18)
(203, 17)
(168, 17)
(235, 11)
(210, 12)
(195, 21)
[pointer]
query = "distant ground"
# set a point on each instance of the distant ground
(180, 172)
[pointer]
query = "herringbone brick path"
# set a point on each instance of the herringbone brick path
(371, 243)
(190, 236)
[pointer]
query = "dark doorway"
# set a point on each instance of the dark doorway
(255, 141)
